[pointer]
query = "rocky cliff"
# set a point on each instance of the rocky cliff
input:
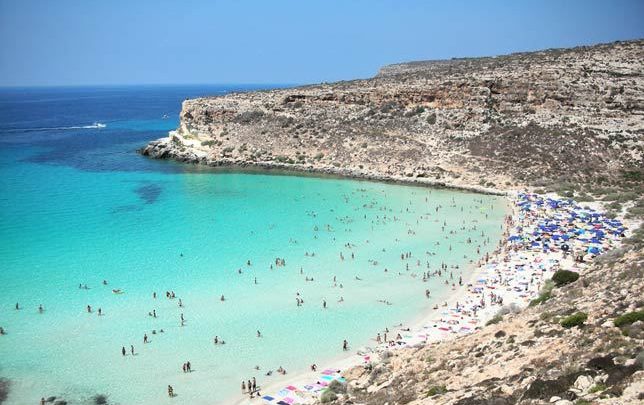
(498, 122)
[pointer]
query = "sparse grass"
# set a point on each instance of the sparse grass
(629, 318)
(597, 388)
(636, 239)
(328, 396)
(495, 320)
(436, 390)
(544, 295)
(573, 320)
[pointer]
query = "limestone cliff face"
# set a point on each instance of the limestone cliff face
(497, 122)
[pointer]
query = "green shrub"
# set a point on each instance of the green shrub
(544, 295)
(629, 318)
(573, 320)
(208, 143)
(328, 396)
(436, 390)
(563, 277)
(337, 387)
(249, 116)
(495, 320)
(597, 388)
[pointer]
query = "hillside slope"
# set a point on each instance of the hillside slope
(502, 122)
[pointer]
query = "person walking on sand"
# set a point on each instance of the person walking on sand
(145, 338)
(243, 386)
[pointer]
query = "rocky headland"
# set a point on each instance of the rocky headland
(541, 118)
(566, 121)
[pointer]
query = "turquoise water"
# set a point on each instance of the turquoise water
(79, 207)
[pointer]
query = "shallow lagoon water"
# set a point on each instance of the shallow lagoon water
(79, 206)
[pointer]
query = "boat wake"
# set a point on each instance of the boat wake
(95, 125)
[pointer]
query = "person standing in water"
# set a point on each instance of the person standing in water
(170, 391)
(345, 345)
(123, 350)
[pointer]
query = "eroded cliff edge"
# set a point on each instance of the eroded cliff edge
(564, 115)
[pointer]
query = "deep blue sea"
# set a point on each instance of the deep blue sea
(79, 206)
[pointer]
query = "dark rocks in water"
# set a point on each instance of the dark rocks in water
(50, 399)
(100, 399)
(149, 193)
(60, 402)
(4, 389)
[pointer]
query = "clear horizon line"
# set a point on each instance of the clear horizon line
(248, 84)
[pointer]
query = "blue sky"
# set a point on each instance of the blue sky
(64, 42)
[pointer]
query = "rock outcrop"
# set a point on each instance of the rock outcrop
(500, 122)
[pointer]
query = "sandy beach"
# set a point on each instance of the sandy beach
(531, 251)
